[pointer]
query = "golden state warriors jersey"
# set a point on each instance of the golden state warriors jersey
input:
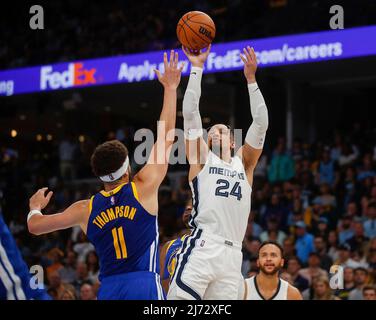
(124, 234)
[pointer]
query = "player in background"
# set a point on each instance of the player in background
(267, 284)
(171, 248)
(121, 220)
(15, 279)
(221, 188)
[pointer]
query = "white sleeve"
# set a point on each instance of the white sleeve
(257, 131)
(191, 112)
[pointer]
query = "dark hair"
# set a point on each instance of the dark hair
(108, 157)
(296, 259)
(366, 288)
(361, 269)
(96, 265)
(273, 243)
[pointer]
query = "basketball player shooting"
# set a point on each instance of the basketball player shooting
(267, 285)
(121, 220)
(209, 263)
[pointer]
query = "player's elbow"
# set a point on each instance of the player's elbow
(33, 228)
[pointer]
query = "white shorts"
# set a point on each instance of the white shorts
(208, 267)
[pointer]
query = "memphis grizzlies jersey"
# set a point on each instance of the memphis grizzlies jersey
(124, 234)
(173, 248)
(221, 198)
(253, 292)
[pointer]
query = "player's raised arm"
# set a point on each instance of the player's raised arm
(196, 147)
(254, 140)
(152, 174)
(76, 214)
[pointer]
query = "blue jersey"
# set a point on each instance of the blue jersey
(124, 234)
(14, 273)
(173, 248)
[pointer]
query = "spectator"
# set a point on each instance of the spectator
(304, 242)
(333, 245)
(83, 247)
(322, 290)
(250, 253)
(313, 269)
(348, 284)
(348, 155)
(56, 287)
(68, 272)
(92, 266)
(288, 248)
(293, 268)
(272, 227)
(367, 169)
(370, 224)
(320, 248)
(344, 257)
(345, 230)
(87, 292)
(55, 255)
(322, 228)
(68, 294)
(358, 240)
(276, 211)
(360, 279)
(327, 170)
(82, 277)
(281, 166)
(369, 293)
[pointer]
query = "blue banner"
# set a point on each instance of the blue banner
(274, 51)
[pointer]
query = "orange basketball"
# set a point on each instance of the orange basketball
(195, 30)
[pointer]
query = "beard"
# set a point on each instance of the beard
(270, 272)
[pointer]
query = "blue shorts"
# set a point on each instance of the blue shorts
(141, 285)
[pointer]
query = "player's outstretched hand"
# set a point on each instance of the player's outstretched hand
(197, 58)
(172, 74)
(250, 64)
(39, 199)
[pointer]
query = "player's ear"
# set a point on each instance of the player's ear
(282, 262)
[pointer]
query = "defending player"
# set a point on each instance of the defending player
(121, 220)
(171, 248)
(209, 263)
(267, 285)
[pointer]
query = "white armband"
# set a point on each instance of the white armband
(257, 131)
(33, 213)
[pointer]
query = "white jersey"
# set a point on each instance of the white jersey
(221, 198)
(253, 292)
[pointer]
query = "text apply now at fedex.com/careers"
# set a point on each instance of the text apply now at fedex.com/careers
(277, 51)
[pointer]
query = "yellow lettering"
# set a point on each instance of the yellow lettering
(126, 212)
(111, 214)
(104, 216)
(100, 220)
(132, 213)
(96, 223)
(117, 211)
(121, 213)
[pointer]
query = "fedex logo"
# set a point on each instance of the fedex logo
(76, 75)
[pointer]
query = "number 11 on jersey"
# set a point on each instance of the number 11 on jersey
(119, 243)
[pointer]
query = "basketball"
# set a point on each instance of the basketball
(195, 30)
